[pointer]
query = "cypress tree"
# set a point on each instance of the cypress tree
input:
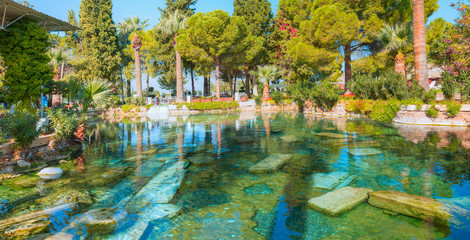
(100, 41)
(183, 7)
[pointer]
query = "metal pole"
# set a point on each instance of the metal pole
(42, 107)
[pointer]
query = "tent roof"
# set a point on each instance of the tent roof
(11, 11)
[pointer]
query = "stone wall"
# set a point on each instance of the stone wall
(412, 115)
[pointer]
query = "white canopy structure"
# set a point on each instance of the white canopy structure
(11, 11)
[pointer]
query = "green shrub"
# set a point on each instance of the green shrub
(278, 98)
(359, 106)
(128, 100)
(453, 108)
(325, 95)
(385, 111)
(258, 100)
(21, 126)
(430, 96)
(127, 108)
(432, 112)
(140, 101)
(385, 86)
(464, 78)
(114, 101)
(63, 122)
(449, 85)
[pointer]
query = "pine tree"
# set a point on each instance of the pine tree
(100, 42)
(258, 17)
(183, 7)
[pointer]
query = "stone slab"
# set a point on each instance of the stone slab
(328, 181)
(427, 209)
(330, 135)
(148, 214)
(340, 201)
(201, 160)
(290, 139)
(364, 151)
(270, 164)
(51, 173)
(244, 140)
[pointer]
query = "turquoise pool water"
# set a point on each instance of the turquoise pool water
(188, 178)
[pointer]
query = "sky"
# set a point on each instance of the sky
(148, 9)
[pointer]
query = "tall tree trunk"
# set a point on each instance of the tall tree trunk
(122, 88)
(217, 78)
(247, 80)
(179, 77)
(234, 87)
(347, 65)
(148, 85)
(419, 27)
(230, 81)
(138, 73)
(129, 92)
(400, 64)
(192, 82)
(255, 87)
(206, 90)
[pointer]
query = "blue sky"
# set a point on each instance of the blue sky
(149, 9)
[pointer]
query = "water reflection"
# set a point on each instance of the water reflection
(121, 158)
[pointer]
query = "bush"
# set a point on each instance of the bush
(278, 98)
(325, 95)
(21, 126)
(448, 85)
(359, 106)
(300, 91)
(385, 111)
(127, 108)
(140, 101)
(453, 108)
(464, 78)
(114, 101)
(63, 122)
(258, 100)
(432, 112)
(385, 86)
(430, 96)
(128, 100)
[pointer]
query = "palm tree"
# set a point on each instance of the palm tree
(58, 59)
(171, 25)
(396, 39)
(419, 26)
(126, 28)
(266, 73)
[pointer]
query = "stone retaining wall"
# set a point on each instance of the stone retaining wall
(412, 115)
(7, 148)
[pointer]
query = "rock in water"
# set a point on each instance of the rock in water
(340, 201)
(201, 160)
(328, 181)
(364, 151)
(104, 220)
(411, 205)
(23, 164)
(51, 173)
(270, 164)
(245, 140)
(331, 135)
(290, 139)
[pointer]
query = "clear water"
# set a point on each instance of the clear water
(222, 200)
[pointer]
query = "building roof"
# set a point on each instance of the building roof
(11, 11)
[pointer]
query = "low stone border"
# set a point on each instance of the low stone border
(414, 116)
